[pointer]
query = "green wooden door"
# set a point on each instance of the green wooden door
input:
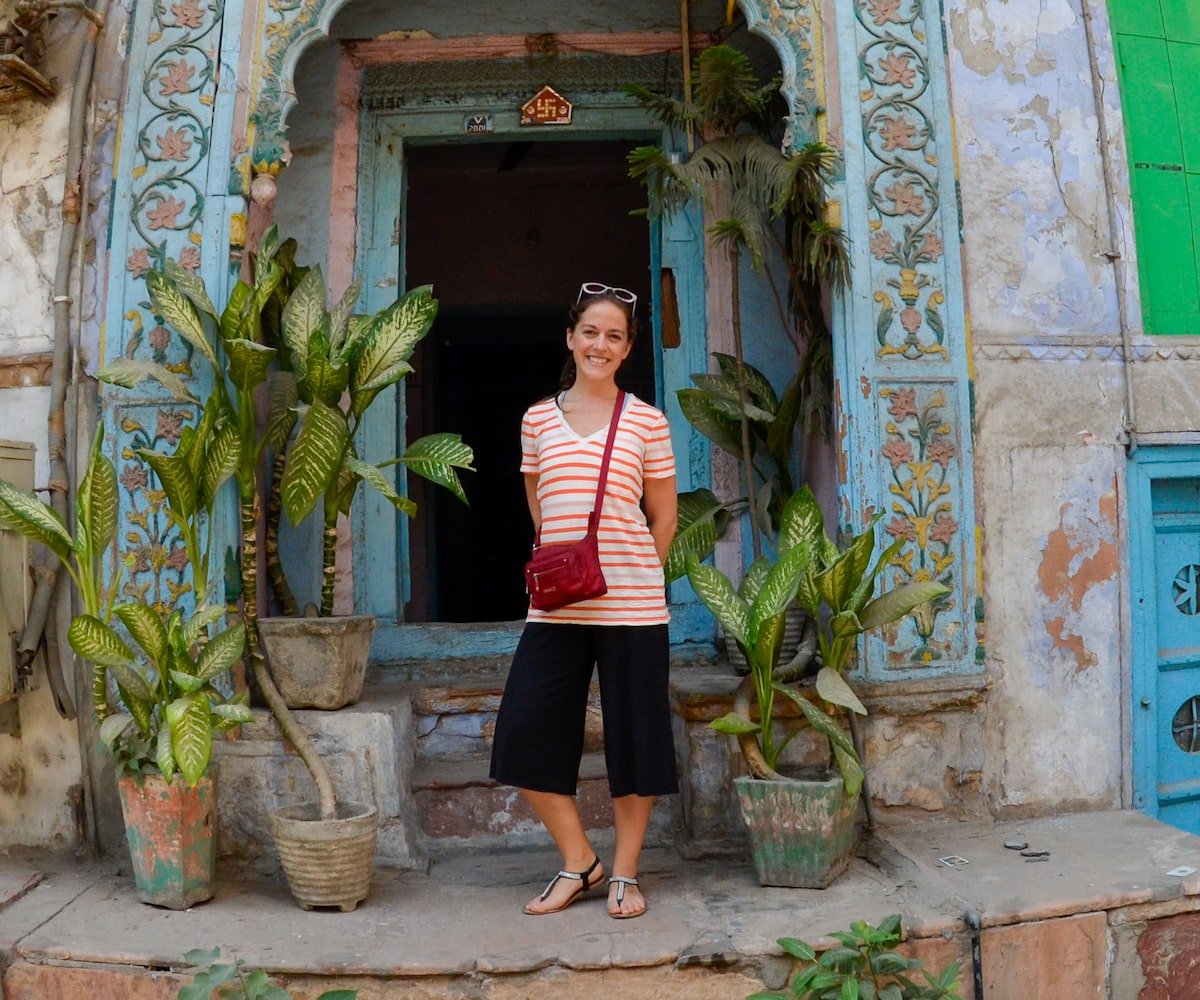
(1158, 52)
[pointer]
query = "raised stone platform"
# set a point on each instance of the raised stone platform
(1101, 918)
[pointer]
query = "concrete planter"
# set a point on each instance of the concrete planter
(318, 662)
(801, 832)
(328, 862)
(172, 834)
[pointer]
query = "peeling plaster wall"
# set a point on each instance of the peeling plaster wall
(40, 769)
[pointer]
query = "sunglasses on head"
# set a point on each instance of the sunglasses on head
(595, 288)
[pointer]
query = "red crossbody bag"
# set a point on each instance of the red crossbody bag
(565, 573)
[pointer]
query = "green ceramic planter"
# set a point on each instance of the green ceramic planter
(801, 832)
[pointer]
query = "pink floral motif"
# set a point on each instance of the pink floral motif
(160, 337)
(931, 247)
(170, 425)
(189, 259)
(883, 11)
(178, 79)
(901, 527)
(906, 199)
(138, 262)
(910, 319)
(177, 559)
(897, 133)
(941, 451)
(134, 478)
(897, 69)
(882, 244)
(174, 144)
(141, 560)
(163, 216)
(897, 452)
(943, 529)
(903, 404)
(188, 14)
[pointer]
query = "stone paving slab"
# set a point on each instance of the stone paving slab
(463, 917)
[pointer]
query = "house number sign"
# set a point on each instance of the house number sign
(547, 107)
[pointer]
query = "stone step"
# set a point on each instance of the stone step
(459, 806)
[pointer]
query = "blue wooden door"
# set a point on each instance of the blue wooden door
(1175, 705)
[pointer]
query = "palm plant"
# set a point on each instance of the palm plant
(751, 186)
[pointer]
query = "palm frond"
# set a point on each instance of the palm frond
(667, 110)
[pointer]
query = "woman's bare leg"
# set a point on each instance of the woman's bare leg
(631, 817)
(560, 816)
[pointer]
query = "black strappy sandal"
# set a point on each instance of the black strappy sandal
(622, 881)
(585, 883)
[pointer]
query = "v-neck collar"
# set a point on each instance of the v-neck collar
(562, 418)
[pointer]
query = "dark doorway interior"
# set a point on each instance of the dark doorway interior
(505, 232)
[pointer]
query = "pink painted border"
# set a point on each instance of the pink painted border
(629, 43)
(343, 198)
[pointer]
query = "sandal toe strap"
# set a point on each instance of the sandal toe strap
(621, 881)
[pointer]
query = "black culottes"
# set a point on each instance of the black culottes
(540, 726)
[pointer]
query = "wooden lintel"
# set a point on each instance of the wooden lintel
(426, 49)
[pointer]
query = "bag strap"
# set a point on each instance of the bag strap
(594, 517)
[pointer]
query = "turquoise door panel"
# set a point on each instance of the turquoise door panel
(1164, 509)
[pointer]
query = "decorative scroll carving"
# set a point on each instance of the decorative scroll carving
(793, 28)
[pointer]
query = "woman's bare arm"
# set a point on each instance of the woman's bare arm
(662, 513)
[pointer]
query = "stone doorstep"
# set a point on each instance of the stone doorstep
(457, 932)
(458, 804)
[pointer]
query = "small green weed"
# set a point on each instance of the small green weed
(233, 981)
(864, 967)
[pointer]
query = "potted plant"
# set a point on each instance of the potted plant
(836, 587)
(333, 366)
(327, 847)
(170, 704)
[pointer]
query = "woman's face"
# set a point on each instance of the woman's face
(599, 341)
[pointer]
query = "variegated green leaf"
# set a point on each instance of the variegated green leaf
(723, 395)
(190, 719)
(361, 396)
(833, 688)
(114, 727)
(268, 246)
(782, 430)
(222, 653)
(767, 636)
(721, 430)
(324, 380)
(281, 410)
(718, 595)
(851, 769)
(211, 417)
(392, 337)
(801, 520)
(866, 587)
(836, 584)
(248, 363)
(702, 518)
(147, 629)
(222, 454)
(861, 549)
(435, 457)
(133, 684)
(314, 459)
(233, 712)
(895, 604)
(376, 478)
(302, 316)
(753, 579)
(267, 280)
(734, 725)
(163, 756)
(97, 643)
(33, 519)
(357, 328)
(779, 588)
(192, 285)
(235, 319)
(179, 313)
(758, 385)
(199, 622)
(97, 501)
(142, 709)
(187, 683)
(821, 721)
(175, 476)
(339, 318)
(130, 372)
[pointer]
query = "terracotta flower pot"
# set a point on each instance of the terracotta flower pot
(172, 834)
(318, 662)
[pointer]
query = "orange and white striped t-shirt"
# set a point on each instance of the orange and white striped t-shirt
(568, 468)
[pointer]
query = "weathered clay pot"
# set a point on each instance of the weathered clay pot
(328, 862)
(172, 834)
(318, 662)
(801, 832)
